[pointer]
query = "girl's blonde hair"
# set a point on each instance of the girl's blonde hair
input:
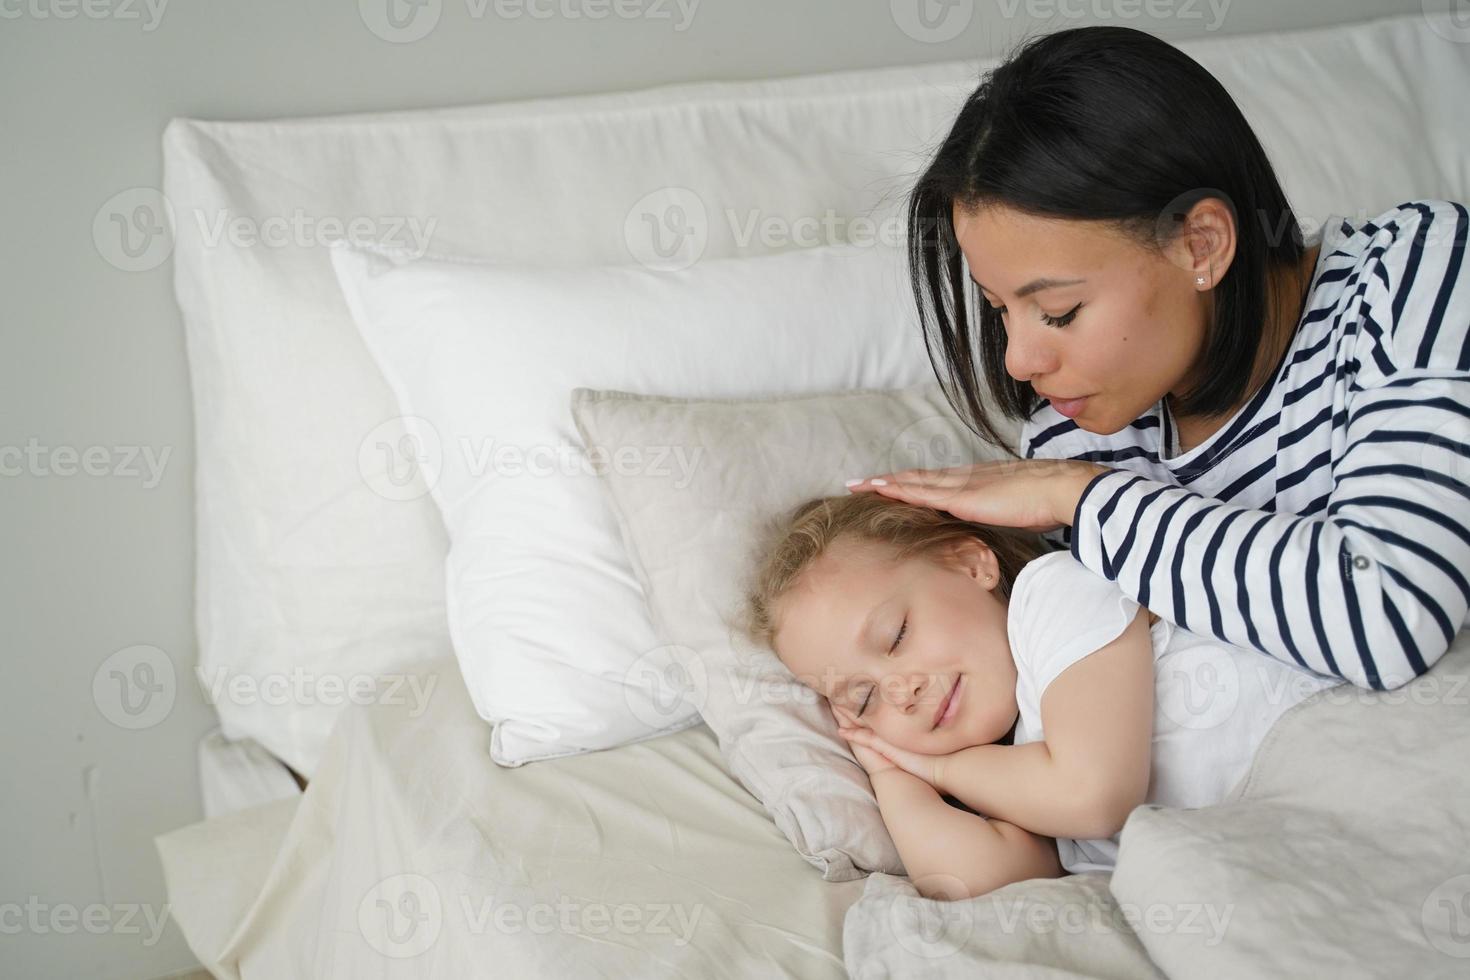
(796, 539)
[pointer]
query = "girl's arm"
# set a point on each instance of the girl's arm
(1094, 766)
(951, 854)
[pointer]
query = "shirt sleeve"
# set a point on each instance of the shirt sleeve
(1061, 612)
(1373, 589)
(1059, 539)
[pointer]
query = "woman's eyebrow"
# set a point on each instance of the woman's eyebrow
(1036, 285)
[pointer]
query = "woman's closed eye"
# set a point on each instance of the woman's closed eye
(1051, 321)
(1063, 320)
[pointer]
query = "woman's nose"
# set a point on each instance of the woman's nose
(1028, 355)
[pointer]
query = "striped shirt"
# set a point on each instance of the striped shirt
(1327, 522)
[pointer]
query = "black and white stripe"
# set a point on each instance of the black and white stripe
(1328, 522)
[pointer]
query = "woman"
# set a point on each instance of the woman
(1262, 440)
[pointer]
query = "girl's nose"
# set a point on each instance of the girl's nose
(914, 693)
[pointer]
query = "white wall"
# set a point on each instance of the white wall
(94, 356)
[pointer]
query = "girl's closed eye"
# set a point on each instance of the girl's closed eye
(902, 629)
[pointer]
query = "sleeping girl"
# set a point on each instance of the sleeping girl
(968, 664)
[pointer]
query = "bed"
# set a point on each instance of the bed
(412, 853)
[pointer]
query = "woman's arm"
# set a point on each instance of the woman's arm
(1094, 766)
(951, 854)
(1373, 593)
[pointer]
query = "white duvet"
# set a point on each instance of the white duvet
(1345, 852)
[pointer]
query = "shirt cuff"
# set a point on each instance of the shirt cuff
(1087, 542)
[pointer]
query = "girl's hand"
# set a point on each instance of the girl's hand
(926, 767)
(1032, 494)
(872, 761)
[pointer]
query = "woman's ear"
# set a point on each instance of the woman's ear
(1207, 242)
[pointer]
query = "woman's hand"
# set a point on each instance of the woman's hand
(1033, 494)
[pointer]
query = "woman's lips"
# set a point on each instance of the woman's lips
(950, 704)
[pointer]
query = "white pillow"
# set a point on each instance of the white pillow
(547, 619)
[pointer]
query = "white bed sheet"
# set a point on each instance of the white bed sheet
(411, 854)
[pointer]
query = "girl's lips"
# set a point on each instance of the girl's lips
(1070, 407)
(950, 704)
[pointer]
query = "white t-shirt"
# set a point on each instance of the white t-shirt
(1213, 702)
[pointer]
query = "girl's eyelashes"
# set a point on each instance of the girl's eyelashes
(902, 629)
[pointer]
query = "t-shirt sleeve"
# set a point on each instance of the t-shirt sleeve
(1060, 611)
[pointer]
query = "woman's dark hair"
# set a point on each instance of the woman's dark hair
(1097, 124)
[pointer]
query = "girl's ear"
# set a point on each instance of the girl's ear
(977, 559)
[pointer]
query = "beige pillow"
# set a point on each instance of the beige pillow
(692, 483)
